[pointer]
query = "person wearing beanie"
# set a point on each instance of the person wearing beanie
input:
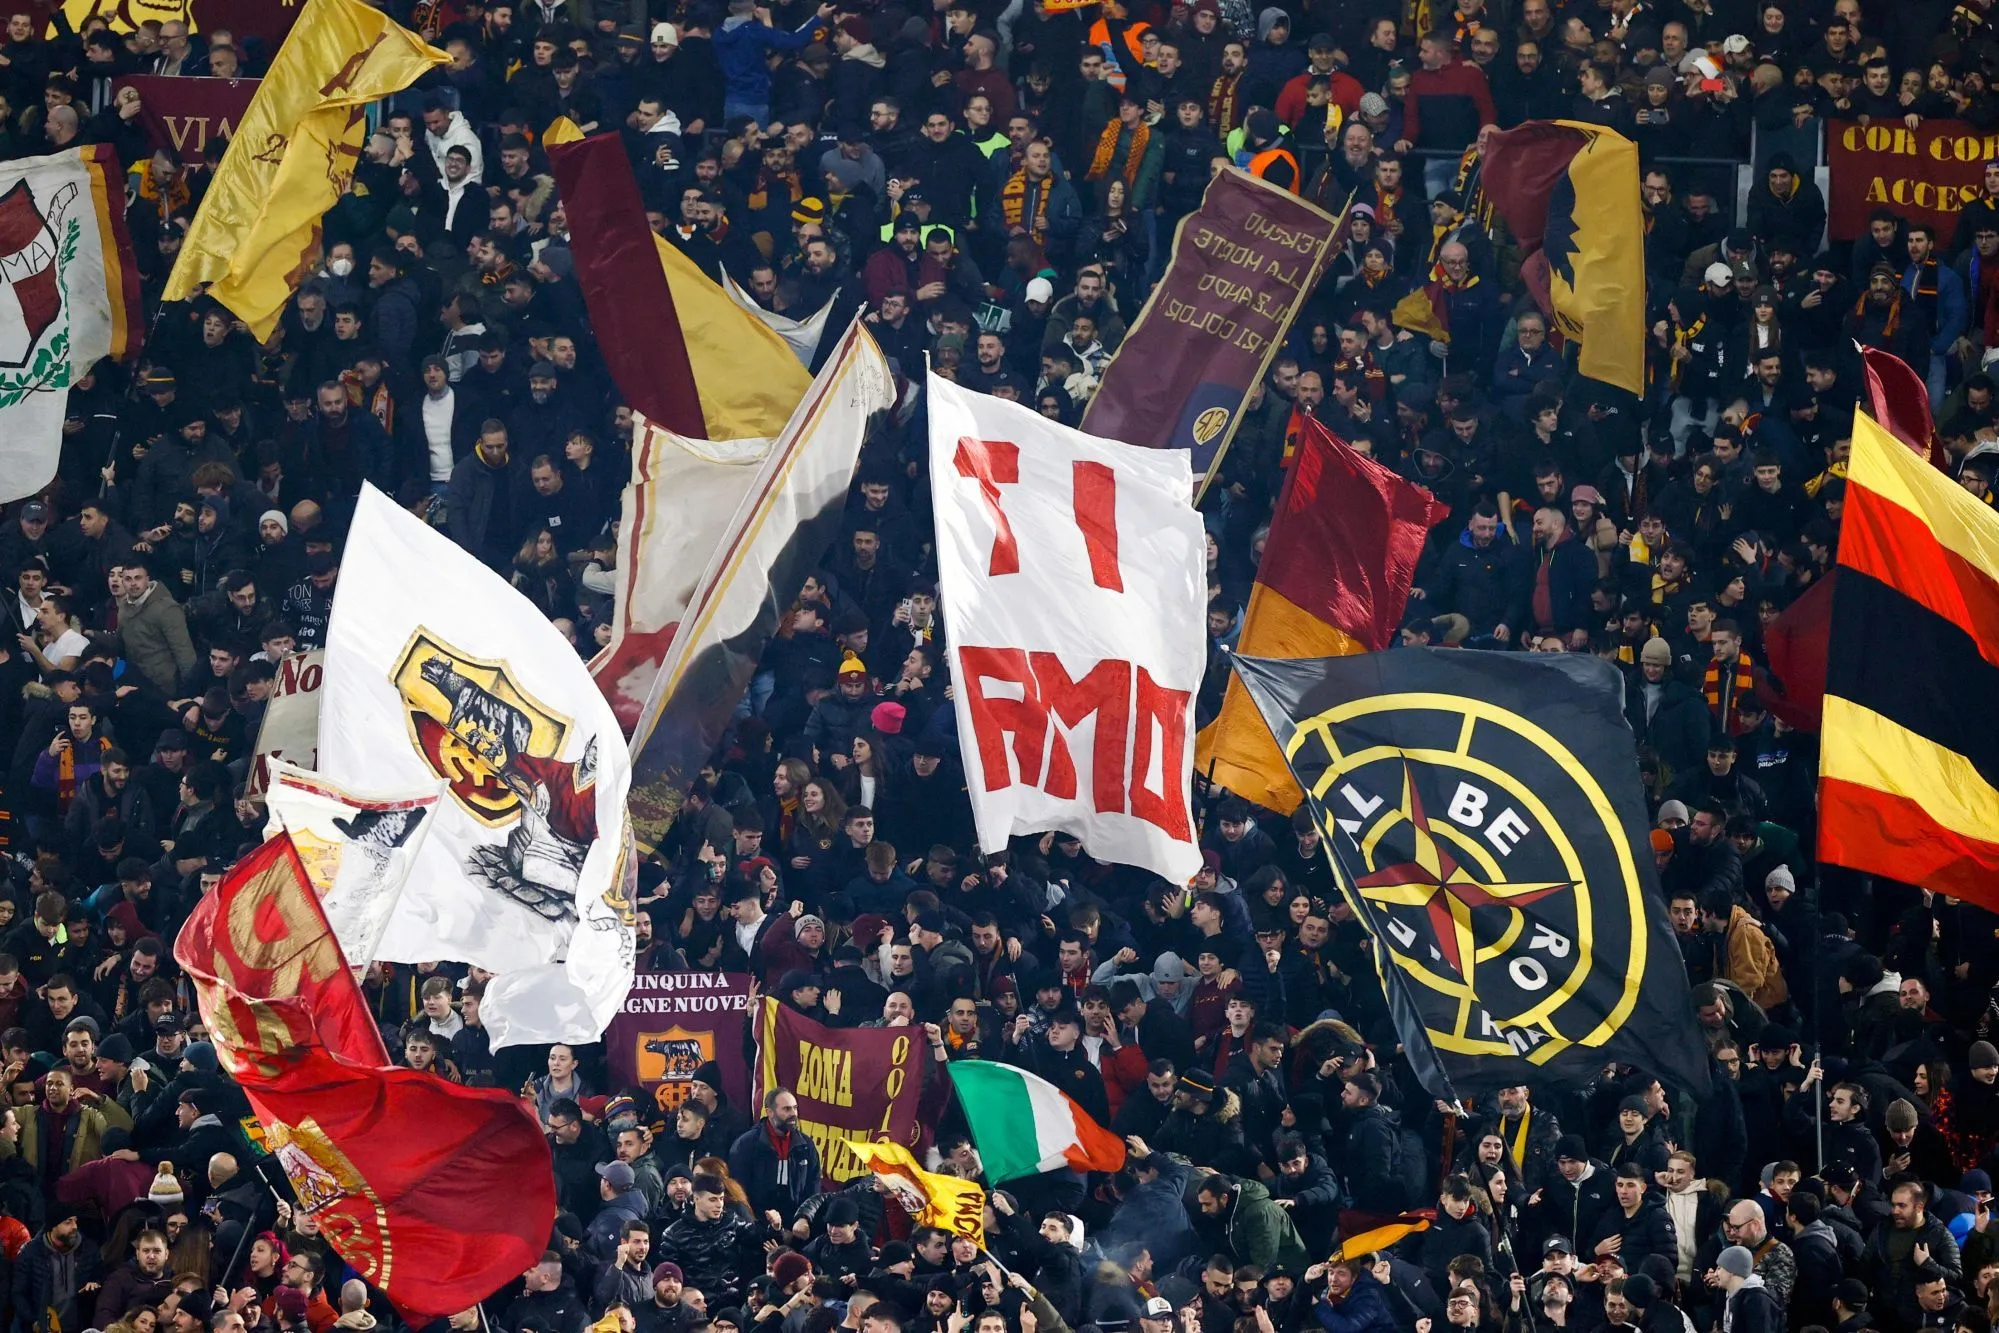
(1749, 1307)
(1668, 714)
(1579, 1189)
(1915, 1146)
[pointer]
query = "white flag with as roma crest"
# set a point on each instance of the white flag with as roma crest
(436, 669)
(69, 296)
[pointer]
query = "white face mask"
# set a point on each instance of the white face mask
(340, 268)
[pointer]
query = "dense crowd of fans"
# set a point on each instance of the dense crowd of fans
(996, 187)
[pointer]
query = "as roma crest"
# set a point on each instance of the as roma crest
(671, 1059)
(470, 721)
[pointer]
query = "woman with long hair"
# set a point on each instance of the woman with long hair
(863, 779)
(787, 783)
(1593, 526)
(812, 851)
(542, 576)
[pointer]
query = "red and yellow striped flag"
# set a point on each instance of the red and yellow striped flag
(1909, 761)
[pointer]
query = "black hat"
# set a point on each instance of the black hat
(842, 1212)
(116, 1047)
(1851, 1292)
(1198, 1084)
(796, 979)
(1572, 1147)
(168, 1023)
(1556, 1243)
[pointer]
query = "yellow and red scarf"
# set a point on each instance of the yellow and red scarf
(1100, 163)
(1741, 683)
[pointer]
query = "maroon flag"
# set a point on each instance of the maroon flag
(182, 114)
(617, 264)
(436, 1193)
(1902, 404)
(1796, 643)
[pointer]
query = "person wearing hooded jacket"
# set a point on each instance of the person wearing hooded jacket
(1255, 1229)
(1750, 1307)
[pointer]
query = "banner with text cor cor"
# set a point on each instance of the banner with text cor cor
(1926, 174)
(854, 1085)
(671, 1024)
(1242, 265)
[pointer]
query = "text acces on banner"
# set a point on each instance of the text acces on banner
(1926, 174)
(1242, 266)
(1074, 570)
(671, 1024)
(854, 1085)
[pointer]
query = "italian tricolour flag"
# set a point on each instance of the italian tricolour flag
(1024, 1125)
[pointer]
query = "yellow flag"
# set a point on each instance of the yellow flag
(945, 1202)
(257, 232)
(560, 130)
(750, 378)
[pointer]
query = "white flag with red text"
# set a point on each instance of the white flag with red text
(1073, 574)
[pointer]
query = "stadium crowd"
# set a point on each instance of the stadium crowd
(997, 187)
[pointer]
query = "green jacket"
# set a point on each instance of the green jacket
(88, 1143)
(1260, 1233)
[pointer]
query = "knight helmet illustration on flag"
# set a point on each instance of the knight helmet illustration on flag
(499, 749)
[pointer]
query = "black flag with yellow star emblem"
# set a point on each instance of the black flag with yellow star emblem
(1484, 819)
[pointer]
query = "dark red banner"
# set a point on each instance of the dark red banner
(436, 1193)
(264, 22)
(184, 114)
(1927, 174)
(1242, 265)
(853, 1084)
(674, 1022)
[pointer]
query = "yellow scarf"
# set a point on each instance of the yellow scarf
(1013, 204)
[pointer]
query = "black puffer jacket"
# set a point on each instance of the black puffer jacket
(717, 1256)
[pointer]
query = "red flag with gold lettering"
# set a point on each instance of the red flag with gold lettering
(436, 1193)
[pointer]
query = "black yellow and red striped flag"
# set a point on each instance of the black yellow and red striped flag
(1909, 762)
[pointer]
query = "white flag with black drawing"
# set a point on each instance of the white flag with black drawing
(437, 670)
(358, 848)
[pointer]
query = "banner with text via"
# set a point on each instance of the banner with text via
(1926, 174)
(671, 1024)
(181, 115)
(854, 1085)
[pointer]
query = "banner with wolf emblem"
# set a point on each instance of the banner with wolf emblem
(69, 296)
(671, 1024)
(1483, 817)
(437, 670)
(357, 849)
